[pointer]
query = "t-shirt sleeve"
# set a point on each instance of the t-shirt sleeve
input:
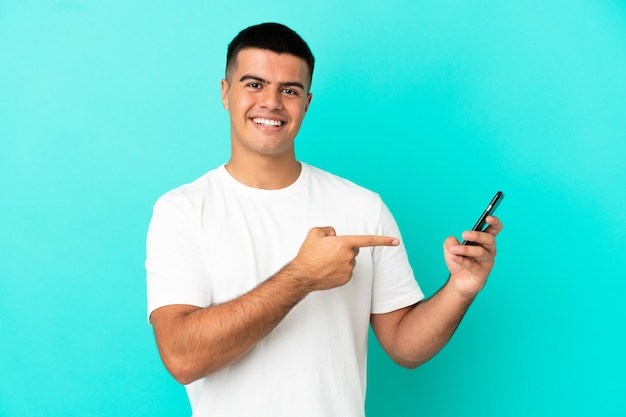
(394, 284)
(176, 271)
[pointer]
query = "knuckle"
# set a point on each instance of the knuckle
(349, 257)
(315, 231)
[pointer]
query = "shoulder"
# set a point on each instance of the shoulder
(330, 183)
(191, 194)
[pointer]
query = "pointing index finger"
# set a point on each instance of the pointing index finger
(362, 241)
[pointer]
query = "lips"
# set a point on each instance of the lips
(267, 122)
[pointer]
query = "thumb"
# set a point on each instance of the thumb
(327, 230)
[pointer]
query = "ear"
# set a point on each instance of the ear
(225, 93)
(308, 102)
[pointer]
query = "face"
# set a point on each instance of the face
(267, 96)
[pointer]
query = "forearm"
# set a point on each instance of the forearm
(412, 335)
(204, 340)
(428, 326)
(194, 342)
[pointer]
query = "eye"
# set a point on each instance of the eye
(254, 84)
(290, 91)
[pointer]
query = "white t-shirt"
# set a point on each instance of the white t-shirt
(215, 239)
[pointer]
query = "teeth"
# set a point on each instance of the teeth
(267, 122)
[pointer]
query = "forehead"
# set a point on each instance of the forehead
(270, 65)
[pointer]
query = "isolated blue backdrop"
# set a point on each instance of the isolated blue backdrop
(105, 105)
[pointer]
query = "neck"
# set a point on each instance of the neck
(266, 173)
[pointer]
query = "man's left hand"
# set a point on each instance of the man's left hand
(470, 265)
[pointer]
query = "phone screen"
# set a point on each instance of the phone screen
(491, 208)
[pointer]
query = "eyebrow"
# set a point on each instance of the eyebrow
(262, 80)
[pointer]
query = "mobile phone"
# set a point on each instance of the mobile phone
(491, 208)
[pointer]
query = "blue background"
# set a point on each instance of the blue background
(104, 106)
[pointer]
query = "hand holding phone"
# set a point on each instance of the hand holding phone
(482, 220)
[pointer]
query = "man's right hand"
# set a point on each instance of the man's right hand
(195, 342)
(326, 260)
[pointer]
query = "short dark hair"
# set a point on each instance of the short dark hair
(274, 37)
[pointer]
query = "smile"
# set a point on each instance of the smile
(268, 122)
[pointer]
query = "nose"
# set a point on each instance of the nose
(271, 99)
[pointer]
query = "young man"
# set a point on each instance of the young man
(265, 273)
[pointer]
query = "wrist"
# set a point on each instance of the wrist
(296, 277)
(462, 294)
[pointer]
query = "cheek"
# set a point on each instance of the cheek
(241, 104)
(302, 112)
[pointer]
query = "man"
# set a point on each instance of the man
(265, 273)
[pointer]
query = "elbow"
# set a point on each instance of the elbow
(408, 363)
(187, 368)
(181, 369)
(182, 377)
(178, 371)
(409, 358)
